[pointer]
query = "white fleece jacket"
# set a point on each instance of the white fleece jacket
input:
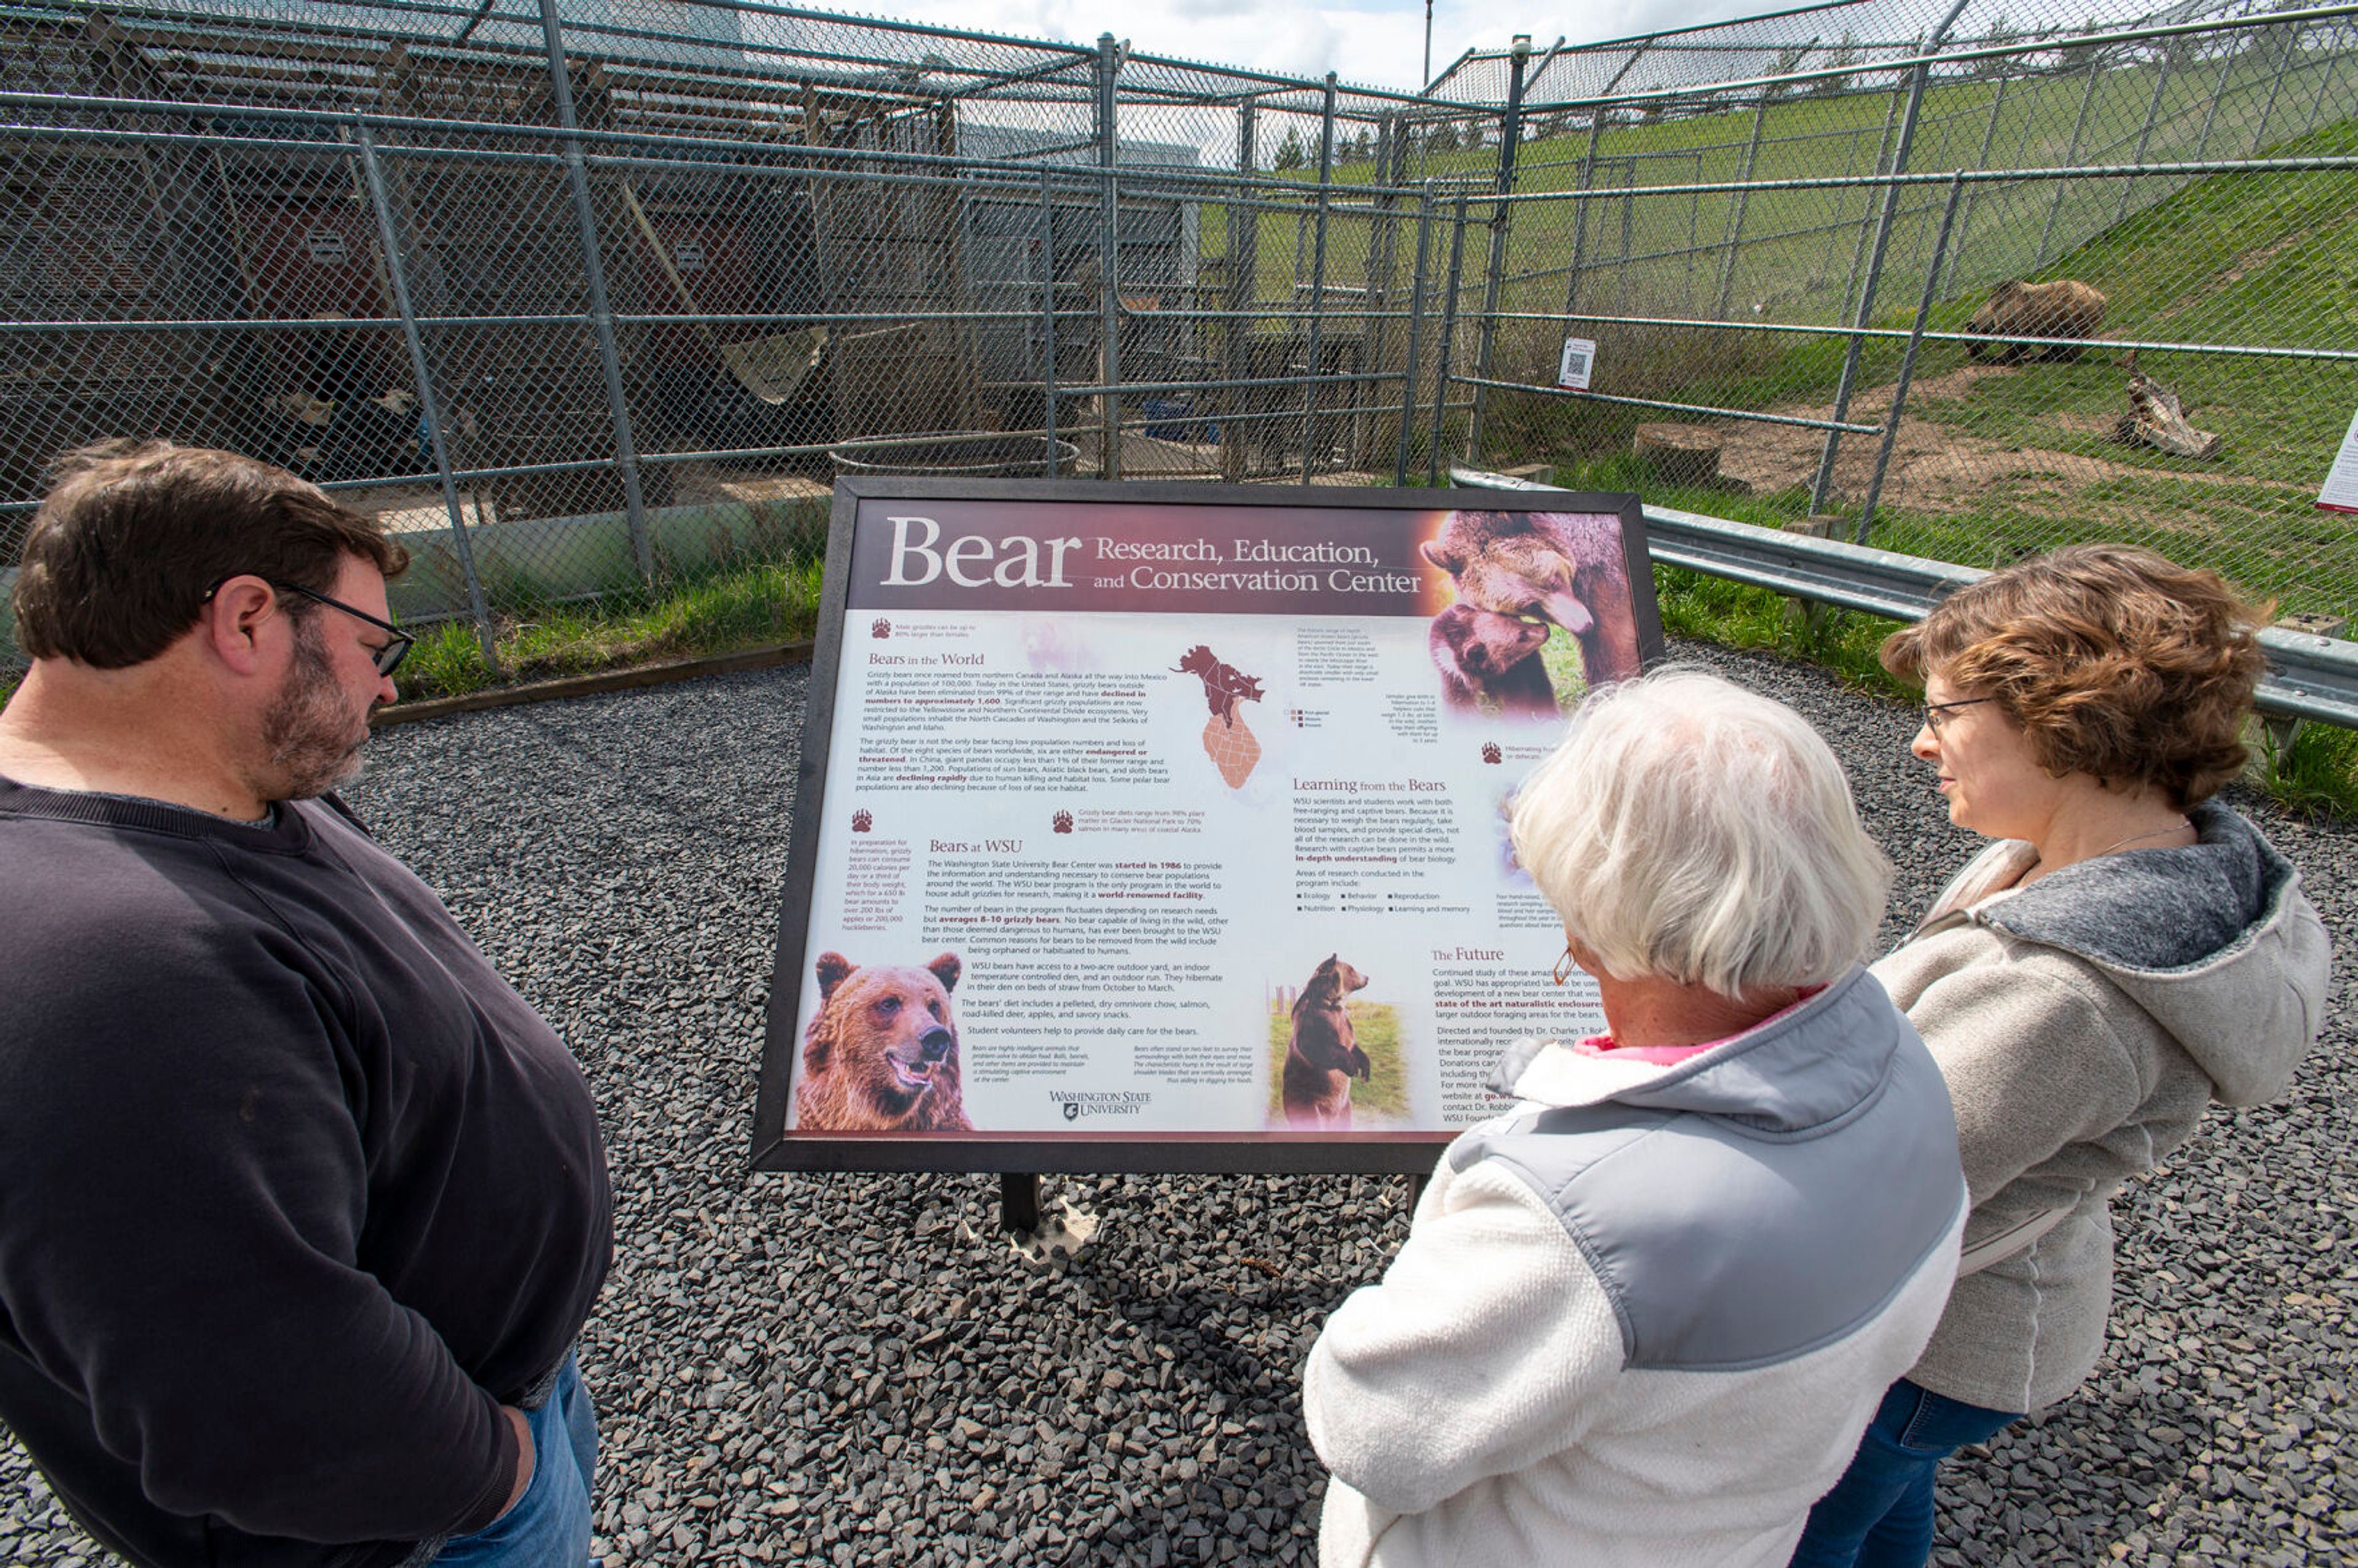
(1644, 1318)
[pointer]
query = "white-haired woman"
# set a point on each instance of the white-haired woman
(1643, 1317)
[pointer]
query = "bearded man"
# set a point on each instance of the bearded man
(302, 1207)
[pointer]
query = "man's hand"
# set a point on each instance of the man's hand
(524, 1457)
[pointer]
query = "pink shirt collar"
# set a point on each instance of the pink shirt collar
(1665, 1055)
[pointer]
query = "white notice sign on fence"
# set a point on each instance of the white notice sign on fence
(2340, 492)
(1579, 354)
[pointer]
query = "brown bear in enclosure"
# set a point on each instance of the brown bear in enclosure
(1324, 1053)
(881, 1053)
(2063, 308)
(1486, 659)
(1567, 567)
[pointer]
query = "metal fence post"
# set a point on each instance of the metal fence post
(594, 273)
(429, 403)
(1736, 221)
(1448, 337)
(1893, 119)
(1510, 141)
(2276, 84)
(1383, 264)
(1907, 358)
(1918, 79)
(1109, 259)
(1989, 139)
(1586, 178)
(1318, 279)
(1244, 291)
(1048, 317)
(2210, 110)
(2071, 158)
(1415, 333)
(2324, 81)
(2144, 135)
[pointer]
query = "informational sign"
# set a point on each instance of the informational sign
(1162, 827)
(1579, 355)
(2340, 492)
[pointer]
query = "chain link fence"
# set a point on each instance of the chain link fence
(593, 299)
(1835, 268)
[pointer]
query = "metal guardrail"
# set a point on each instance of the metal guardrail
(2308, 676)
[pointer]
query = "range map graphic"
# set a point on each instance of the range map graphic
(1233, 748)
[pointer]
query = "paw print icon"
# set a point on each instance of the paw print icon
(862, 820)
(1062, 822)
(1490, 752)
(880, 628)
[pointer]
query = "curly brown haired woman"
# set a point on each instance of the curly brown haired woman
(2126, 952)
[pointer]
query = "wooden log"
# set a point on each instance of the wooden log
(1679, 454)
(2155, 419)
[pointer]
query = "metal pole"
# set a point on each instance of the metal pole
(2275, 83)
(1908, 360)
(2144, 135)
(1318, 278)
(1989, 139)
(2070, 156)
(1383, 254)
(1415, 332)
(1244, 291)
(429, 403)
(2210, 110)
(1511, 142)
(1048, 317)
(1109, 259)
(1448, 336)
(2324, 80)
(1892, 119)
(594, 273)
(1743, 197)
(1917, 81)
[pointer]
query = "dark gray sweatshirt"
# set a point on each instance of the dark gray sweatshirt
(295, 1191)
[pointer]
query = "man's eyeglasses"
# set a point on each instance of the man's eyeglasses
(387, 658)
(1937, 713)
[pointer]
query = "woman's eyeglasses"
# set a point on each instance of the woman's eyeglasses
(1937, 713)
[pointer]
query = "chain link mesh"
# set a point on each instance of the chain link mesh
(595, 300)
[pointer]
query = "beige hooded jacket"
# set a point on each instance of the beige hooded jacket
(2082, 1024)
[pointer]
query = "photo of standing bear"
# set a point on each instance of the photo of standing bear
(1324, 1055)
(881, 1053)
(1566, 568)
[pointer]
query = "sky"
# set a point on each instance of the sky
(1378, 43)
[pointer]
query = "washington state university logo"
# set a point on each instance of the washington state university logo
(1072, 1110)
(861, 821)
(1490, 752)
(1062, 823)
(880, 628)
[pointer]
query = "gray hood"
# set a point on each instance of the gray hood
(2215, 941)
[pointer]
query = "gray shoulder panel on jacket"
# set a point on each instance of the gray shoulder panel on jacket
(1724, 1247)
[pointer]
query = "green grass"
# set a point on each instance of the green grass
(1376, 1025)
(738, 608)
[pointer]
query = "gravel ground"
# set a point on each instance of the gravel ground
(856, 1370)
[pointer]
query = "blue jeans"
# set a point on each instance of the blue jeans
(1880, 1515)
(549, 1526)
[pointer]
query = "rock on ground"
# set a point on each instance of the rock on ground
(856, 1370)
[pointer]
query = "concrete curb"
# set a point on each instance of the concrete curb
(603, 680)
